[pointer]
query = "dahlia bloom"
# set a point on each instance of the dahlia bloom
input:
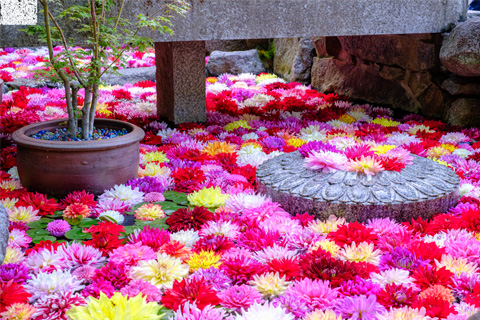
(322, 315)
(18, 311)
(266, 311)
(76, 211)
(134, 288)
(16, 272)
(111, 215)
(394, 275)
(326, 161)
(12, 293)
(270, 284)
(123, 193)
(18, 239)
(56, 307)
(149, 212)
(76, 255)
(51, 284)
(190, 290)
(131, 254)
(214, 277)
(58, 228)
(13, 255)
(189, 311)
(208, 198)
(160, 272)
(43, 261)
(367, 165)
(204, 260)
(117, 307)
(364, 252)
(360, 307)
(23, 214)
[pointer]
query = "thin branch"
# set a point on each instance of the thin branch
(119, 15)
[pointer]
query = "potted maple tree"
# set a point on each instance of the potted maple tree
(59, 167)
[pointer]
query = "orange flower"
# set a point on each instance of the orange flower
(76, 210)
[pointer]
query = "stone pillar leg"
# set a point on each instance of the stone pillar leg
(181, 81)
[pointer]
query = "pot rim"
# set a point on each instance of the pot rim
(21, 137)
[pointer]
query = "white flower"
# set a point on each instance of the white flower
(463, 153)
(265, 311)
(123, 193)
(364, 252)
(43, 260)
(438, 238)
(250, 136)
(241, 201)
(465, 188)
(251, 155)
(223, 228)
(216, 87)
(187, 237)
(165, 133)
(397, 276)
(13, 172)
(112, 214)
(54, 283)
(274, 252)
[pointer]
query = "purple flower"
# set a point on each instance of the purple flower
(14, 271)
(360, 307)
(273, 142)
(359, 287)
(9, 50)
(218, 279)
(400, 258)
(147, 184)
(308, 148)
(58, 228)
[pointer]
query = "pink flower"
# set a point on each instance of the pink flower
(326, 161)
(238, 297)
(151, 292)
(131, 254)
(367, 165)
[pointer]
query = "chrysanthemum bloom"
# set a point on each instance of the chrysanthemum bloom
(217, 147)
(214, 277)
(10, 293)
(266, 311)
(54, 283)
(176, 249)
(39, 201)
(154, 197)
(397, 296)
(76, 255)
(397, 276)
(322, 315)
(327, 226)
(151, 292)
(85, 273)
(116, 273)
(239, 297)
(326, 245)
(156, 156)
(360, 307)
(18, 311)
(43, 261)
(123, 193)
(76, 211)
(226, 228)
(437, 292)
(10, 184)
(208, 198)
(401, 258)
(58, 228)
(149, 212)
(270, 284)
(150, 236)
(191, 290)
(405, 313)
(23, 214)
(348, 233)
(325, 161)
(204, 260)
(160, 272)
(364, 252)
(456, 265)
(131, 254)
(359, 287)
(191, 312)
(367, 165)
(118, 307)
(111, 215)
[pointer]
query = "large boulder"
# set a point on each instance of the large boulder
(130, 75)
(293, 58)
(3, 233)
(464, 112)
(235, 62)
(460, 51)
(225, 45)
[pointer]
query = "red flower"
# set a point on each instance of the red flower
(428, 276)
(474, 297)
(44, 244)
(79, 197)
(213, 242)
(5, 76)
(190, 290)
(346, 234)
(287, 267)
(417, 226)
(10, 293)
(106, 227)
(115, 273)
(186, 218)
(471, 219)
(256, 239)
(443, 222)
(151, 237)
(242, 269)
(435, 307)
(396, 296)
(105, 242)
(122, 94)
(304, 219)
(427, 251)
(391, 164)
(39, 201)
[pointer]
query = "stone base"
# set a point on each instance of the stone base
(422, 189)
(181, 81)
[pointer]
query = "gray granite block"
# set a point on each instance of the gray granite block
(3, 233)
(421, 189)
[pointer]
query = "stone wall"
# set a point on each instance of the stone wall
(400, 71)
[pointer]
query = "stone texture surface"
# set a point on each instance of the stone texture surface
(423, 188)
(225, 45)
(181, 81)
(465, 112)
(3, 233)
(408, 52)
(460, 52)
(235, 62)
(293, 58)
(261, 19)
(462, 86)
(131, 75)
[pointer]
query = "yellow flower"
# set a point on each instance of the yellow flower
(237, 124)
(13, 255)
(117, 307)
(327, 226)
(211, 79)
(217, 147)
(420, 127)
(385, 122)
(10, 184)
(457, 265)
(155, 156)
(437, 152)
(208, 197)
(347, 119)
(448, 146)
(18, 311)
(204, 260)
(102, 108)
(149, 212)
(270, 284)
(255, 144)
(152, 169)
(8, 203)
(160, 272)
(383, 149)
(296, 142)
(440, 161)
(364, 252)
(264, 77)
(327, 245)
(322, 315)
(23, 214)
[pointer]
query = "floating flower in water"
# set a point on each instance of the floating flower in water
(208, 197)
(270, 284)
(76, 211)
(149, 212)
(204, 260)
(58, 228)
(23, 214)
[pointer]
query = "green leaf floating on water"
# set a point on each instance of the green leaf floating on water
(77, 234)
(177, 197)
(43, 238)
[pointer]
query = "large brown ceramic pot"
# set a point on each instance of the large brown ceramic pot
(60, 167)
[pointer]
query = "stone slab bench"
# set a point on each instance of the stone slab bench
(180, 57)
